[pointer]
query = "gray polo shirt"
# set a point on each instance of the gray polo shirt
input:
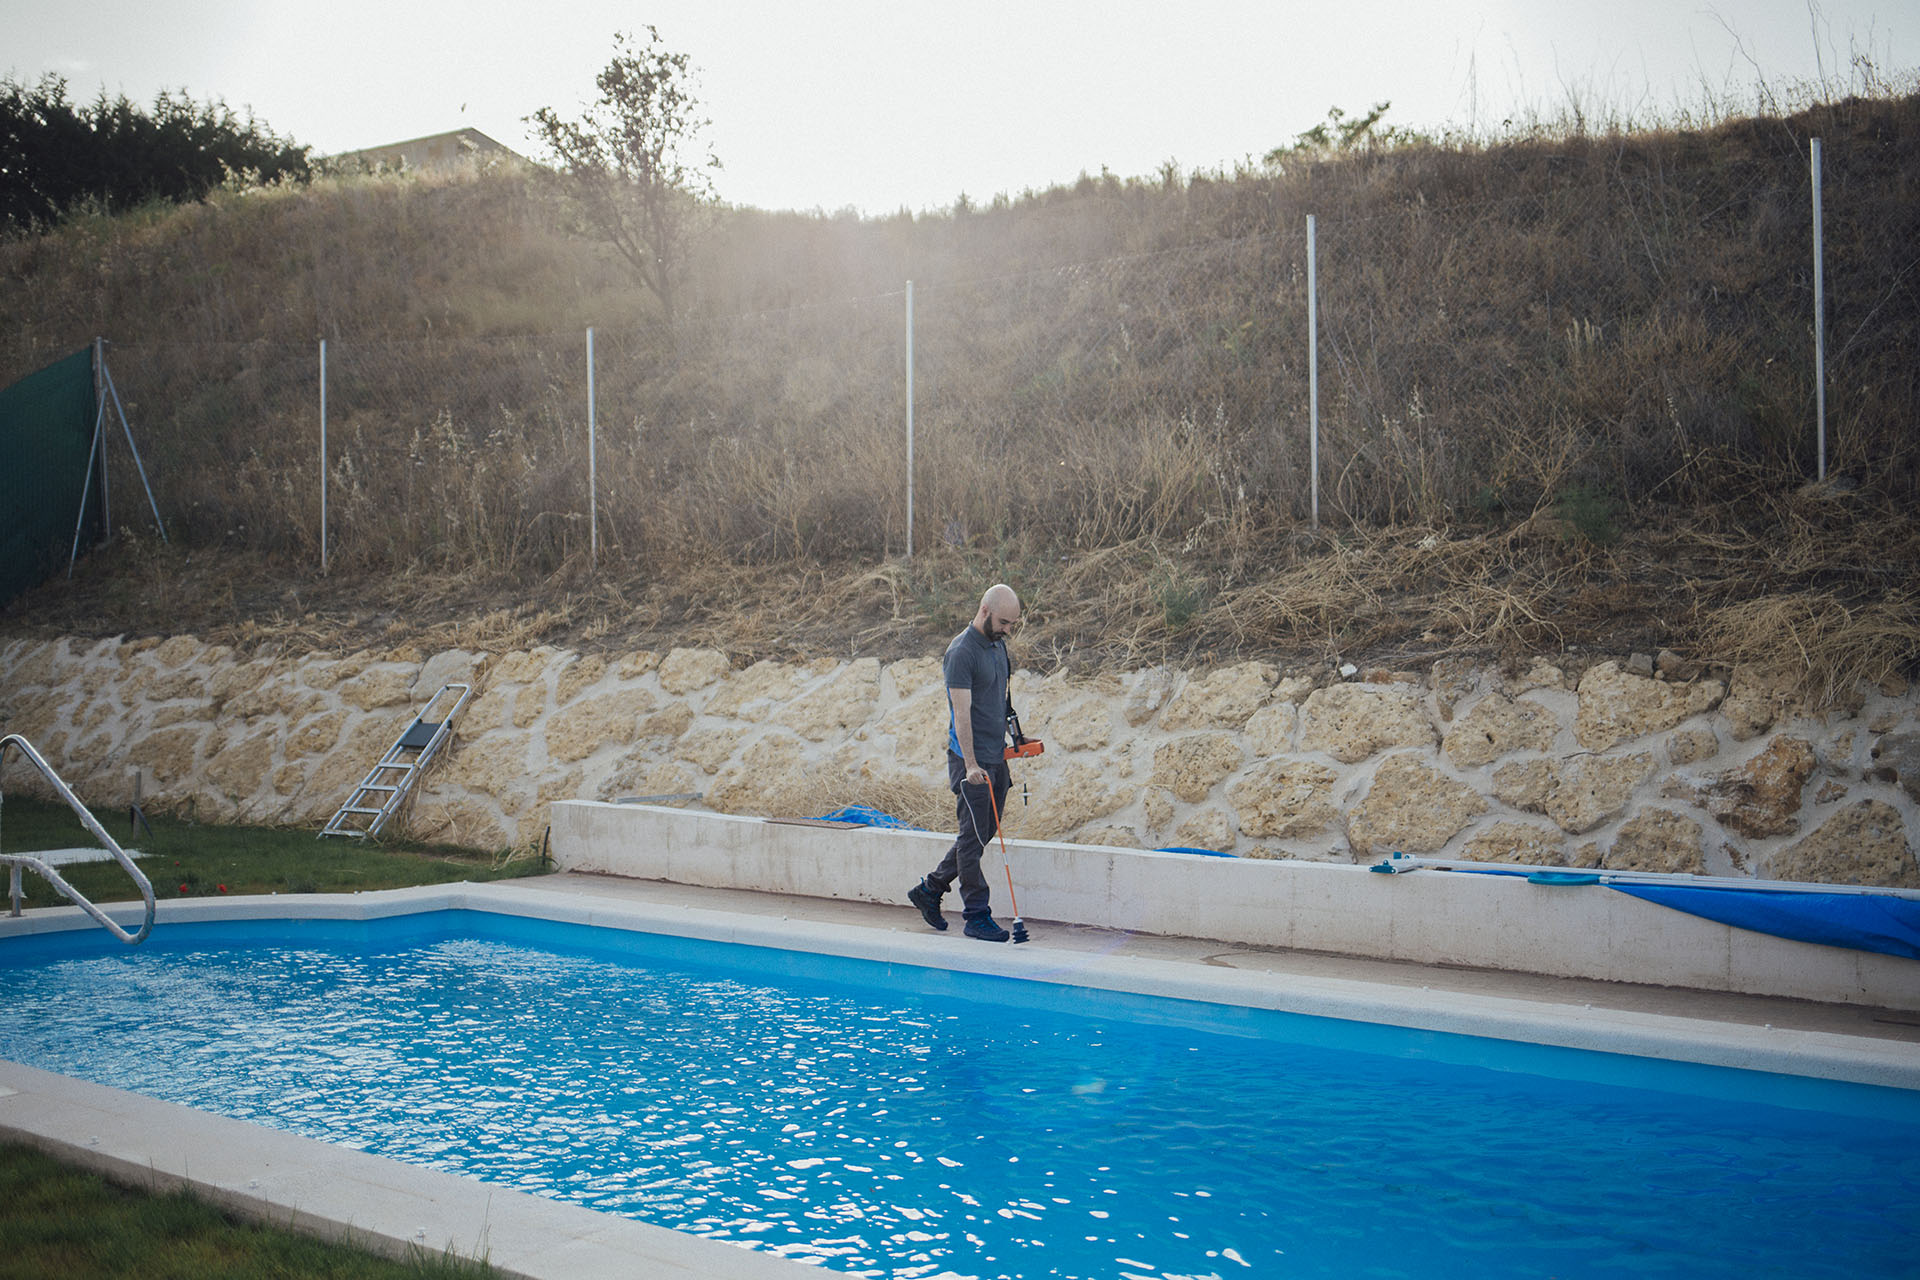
(973, 662)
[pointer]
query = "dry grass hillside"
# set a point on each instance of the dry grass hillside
(1566, 402)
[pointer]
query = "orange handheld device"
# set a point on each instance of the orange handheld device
(1022, 744)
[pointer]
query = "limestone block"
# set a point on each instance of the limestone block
(919, 729)
(241, 768)
(912, 675)
(1684, 746)
(1520, 842)
(577, 676)
(177, 651)
(1540, 674)
(639, 776)
(229, 682)
(315, 736)
(1190, 766)
(1077, 795)
(180, 713)
(592, 723)
(773, 777)
(493, 764)
(273, 697)
(1288, 799)
(667, 723)
(755, 693)
(1896, 758)
(34, 666)
(1578, 793)
(637, 664)
(454, 666)
(1865, 843)
(835, 708)
(381, 686)
(176, 684)
(1293, 690)
(1224, 699)
(1829, 792)
(524, 666)
(1757, 697)
(1207, 829)
(688, 669)
(1350, 722)
(1087, 725)
(1498, 726)
(87, 754)
(340, 769)
(288, 779)
(1270, 730)
(328, 673)
(1453, 680)
(1616, 706)
(1151, 690)
(1762, 797)
(167, 755)
(487, 711)
(1111, 837)
(1657, 840)
(34, 716)
(1411, 807)
(709, 748)
(1157, 806)
(529, 704)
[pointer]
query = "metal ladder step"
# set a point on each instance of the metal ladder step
(423, 737)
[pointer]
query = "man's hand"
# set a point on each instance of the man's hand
(976, 775)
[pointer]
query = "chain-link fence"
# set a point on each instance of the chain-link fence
(1480, 354)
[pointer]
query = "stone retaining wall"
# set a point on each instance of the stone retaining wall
(1630, 764)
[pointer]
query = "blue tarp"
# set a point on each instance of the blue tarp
(1862, 921)
(1205, 853)
(866, 817)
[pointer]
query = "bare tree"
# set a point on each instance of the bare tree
(637, 161)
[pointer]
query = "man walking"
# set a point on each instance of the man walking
(977, 669)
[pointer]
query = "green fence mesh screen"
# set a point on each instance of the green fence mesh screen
(46, 433)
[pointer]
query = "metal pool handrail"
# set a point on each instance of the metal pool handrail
(15, 861)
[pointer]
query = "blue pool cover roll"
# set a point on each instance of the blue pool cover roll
(867, 816)
(1864, 922)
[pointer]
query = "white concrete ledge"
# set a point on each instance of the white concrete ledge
(1492, 922)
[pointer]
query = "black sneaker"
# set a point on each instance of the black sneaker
(983, 928)
(929, 903)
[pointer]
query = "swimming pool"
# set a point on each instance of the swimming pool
(895, 1119)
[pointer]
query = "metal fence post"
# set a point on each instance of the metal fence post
(323, 457)
(100, 398)
(909, 419)
(593, 475)
(1313, 371)
(1819, 317)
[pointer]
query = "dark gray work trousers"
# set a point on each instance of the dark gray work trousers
(975, 813)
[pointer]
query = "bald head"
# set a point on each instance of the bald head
(999, 612)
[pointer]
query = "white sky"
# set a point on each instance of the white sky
(884, 104)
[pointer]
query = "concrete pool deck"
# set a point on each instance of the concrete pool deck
(390, 1207)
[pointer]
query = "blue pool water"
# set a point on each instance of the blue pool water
(890, 1120)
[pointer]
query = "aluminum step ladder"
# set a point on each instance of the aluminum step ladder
(18, 862)
(389, 783)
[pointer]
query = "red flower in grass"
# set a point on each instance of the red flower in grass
(222, 888)
(183, 888)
